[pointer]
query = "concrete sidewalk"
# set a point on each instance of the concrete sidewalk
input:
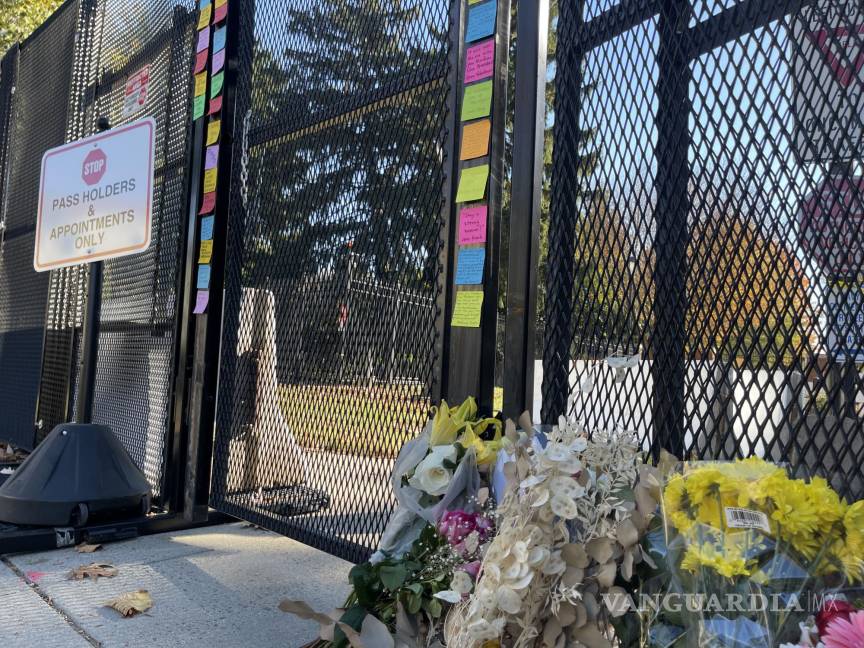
(214, 587)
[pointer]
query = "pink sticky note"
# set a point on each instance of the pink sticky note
(218, 62)
(212, 158)
(220, 13)
(203, 39)
(472, 225)
(480, 61)
(201, 301)
(208, 203)
(215, 105)
(201, 61)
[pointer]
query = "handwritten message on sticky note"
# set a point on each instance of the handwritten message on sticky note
(203, 277)
(206, 251)
(472, 184)
(475, 140)
(198, 106)
(208, 202)
(211, 157)
(203, 40)
(207, 228)
(201, 61)
(200, 83)
(219, 37)
(480, 61)
(481, 21)
(210, 180)
(201, 301)
(204, 17)
(220, 14)
(216, 82)
(472, 225)
(477, 101)
(213, 130)
(469, 266)
(218, 61)
(466, 310)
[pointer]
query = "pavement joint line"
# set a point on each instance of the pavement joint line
(50, 603)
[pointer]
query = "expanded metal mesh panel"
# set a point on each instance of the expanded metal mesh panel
(37, 123)
(708, 215)
(332, 263)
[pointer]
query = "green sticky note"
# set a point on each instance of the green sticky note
(198, 108)
(477, 101)
(466, 310)
(472, 184)
(216, 84)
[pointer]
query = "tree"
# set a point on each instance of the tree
(18, 19)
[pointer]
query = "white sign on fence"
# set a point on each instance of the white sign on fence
(845, 322)
(828, 74)
(135, 95)
(95, 198)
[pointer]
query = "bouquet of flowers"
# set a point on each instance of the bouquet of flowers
(750, 553)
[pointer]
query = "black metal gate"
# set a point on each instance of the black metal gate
(707, 228)
(333, 262)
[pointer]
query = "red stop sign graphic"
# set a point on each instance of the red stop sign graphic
(94, 167)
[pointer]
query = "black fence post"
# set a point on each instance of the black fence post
(668, 339)
(562, 219)
(529, 126)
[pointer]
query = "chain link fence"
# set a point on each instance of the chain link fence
(707, 228)
(332, 268)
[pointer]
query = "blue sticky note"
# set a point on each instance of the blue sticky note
(481, 21)
(219, 39)
(203, 277)
(203, 4)
(469, 267)
(207, 228)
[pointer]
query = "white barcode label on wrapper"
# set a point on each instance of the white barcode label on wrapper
(740, 518)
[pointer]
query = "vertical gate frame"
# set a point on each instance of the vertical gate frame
(529, 126)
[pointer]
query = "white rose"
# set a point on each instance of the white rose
(430, 475)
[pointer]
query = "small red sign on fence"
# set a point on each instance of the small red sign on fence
(832, 226)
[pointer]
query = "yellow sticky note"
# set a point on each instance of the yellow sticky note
(204, 16)
(206, 252)
(466, 310)
(472, 184)
(200, 83)
(210, 180)
(477, 101)
(219, 3)
(470, 2)
(475, 140)
(213, 130)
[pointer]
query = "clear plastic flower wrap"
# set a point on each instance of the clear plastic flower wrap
(750, 555)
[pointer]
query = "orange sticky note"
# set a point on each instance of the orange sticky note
(475, 140)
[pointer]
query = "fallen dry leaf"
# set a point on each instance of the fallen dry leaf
(131, 603)
(94, 571)
(87, 548)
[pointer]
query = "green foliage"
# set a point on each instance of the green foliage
(18, 19)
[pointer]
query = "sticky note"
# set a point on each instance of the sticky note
(201, 61)
(216, 84)
(201, 301)
(213, 130)
(203, 277)
(472, 225)
(218, 61)
(206, 251)
(207, 228)
(481, 21)
(472, 183)
(477, 101)
(220, 3)
(475, 140)
(211, 157)
(203, 3)
(200, 83)
(470, 2)
(466, 310)
(198, 107)
(480, 61)
(210, 176)
(208, 202)
(204, 16)
(203, 39)
(469, 266)
(215, 105)
(219, 38)
(220, 13)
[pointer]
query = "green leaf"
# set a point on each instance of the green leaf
(416, 588)
(433, 607)
(353, 617)
(393, 576)
(413, 603)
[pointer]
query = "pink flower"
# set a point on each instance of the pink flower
(458, 525)
(833, 608)
(843, 633)
(472, 568)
